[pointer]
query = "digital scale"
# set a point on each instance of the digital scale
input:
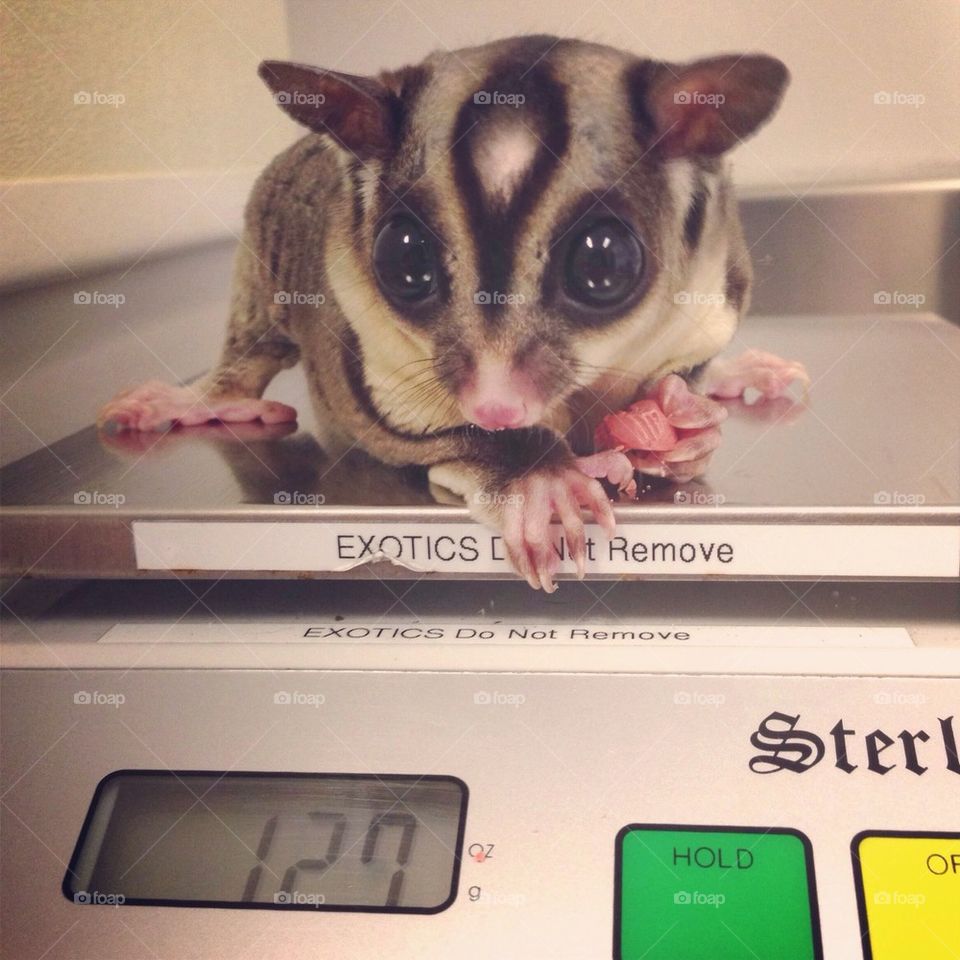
(262, 701)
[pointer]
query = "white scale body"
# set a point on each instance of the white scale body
(666, 715)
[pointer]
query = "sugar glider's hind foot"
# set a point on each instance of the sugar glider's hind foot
(765, 374)
(158, 406)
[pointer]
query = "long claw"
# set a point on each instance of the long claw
(601, 509)
(573, 530)
(526, 522)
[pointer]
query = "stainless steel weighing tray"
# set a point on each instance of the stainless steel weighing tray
(877, 443)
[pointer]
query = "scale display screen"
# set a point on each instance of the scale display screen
(376, 843)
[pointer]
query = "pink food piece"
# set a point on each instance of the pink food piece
(668, 417)
(157, 406)
(771, 376)
(672, 432)
(642, 426)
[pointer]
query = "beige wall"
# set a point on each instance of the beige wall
(84, 185)
(130, 128)
(186, 72)
(841, 53)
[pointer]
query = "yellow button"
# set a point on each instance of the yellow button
(908, 893)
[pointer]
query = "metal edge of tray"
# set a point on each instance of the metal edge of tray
(72, 542)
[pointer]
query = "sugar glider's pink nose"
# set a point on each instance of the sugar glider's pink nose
(500, 397)
(498, 416)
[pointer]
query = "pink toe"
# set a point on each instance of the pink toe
(695, 446)
(769, 374)
(684, 408)
(274, 412)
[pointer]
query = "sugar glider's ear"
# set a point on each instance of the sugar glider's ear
(360, 113)
(707, 106)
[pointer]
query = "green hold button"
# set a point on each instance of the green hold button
(714, 893)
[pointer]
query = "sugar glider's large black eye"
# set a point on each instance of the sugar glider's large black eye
(604, 264)
(405, 260)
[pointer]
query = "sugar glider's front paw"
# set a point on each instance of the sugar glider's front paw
(136, 443)
(158, 406)
(769, 376)
(522, 510)
(614, 466)
(526, 507)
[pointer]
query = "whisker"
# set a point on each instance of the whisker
(583, 365)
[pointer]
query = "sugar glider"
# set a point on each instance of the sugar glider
(478, 257)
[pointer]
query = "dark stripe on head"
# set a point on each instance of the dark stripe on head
(696, 212)
(356, 190)
(737, 285)
(525, 70)
(406, 84)
(637, 79)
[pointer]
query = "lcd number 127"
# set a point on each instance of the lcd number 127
(308, 873)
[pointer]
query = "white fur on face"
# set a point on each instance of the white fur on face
(680, 177)
(502, 158)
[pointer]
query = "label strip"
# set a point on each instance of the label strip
(724, 550)
(527, 634)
